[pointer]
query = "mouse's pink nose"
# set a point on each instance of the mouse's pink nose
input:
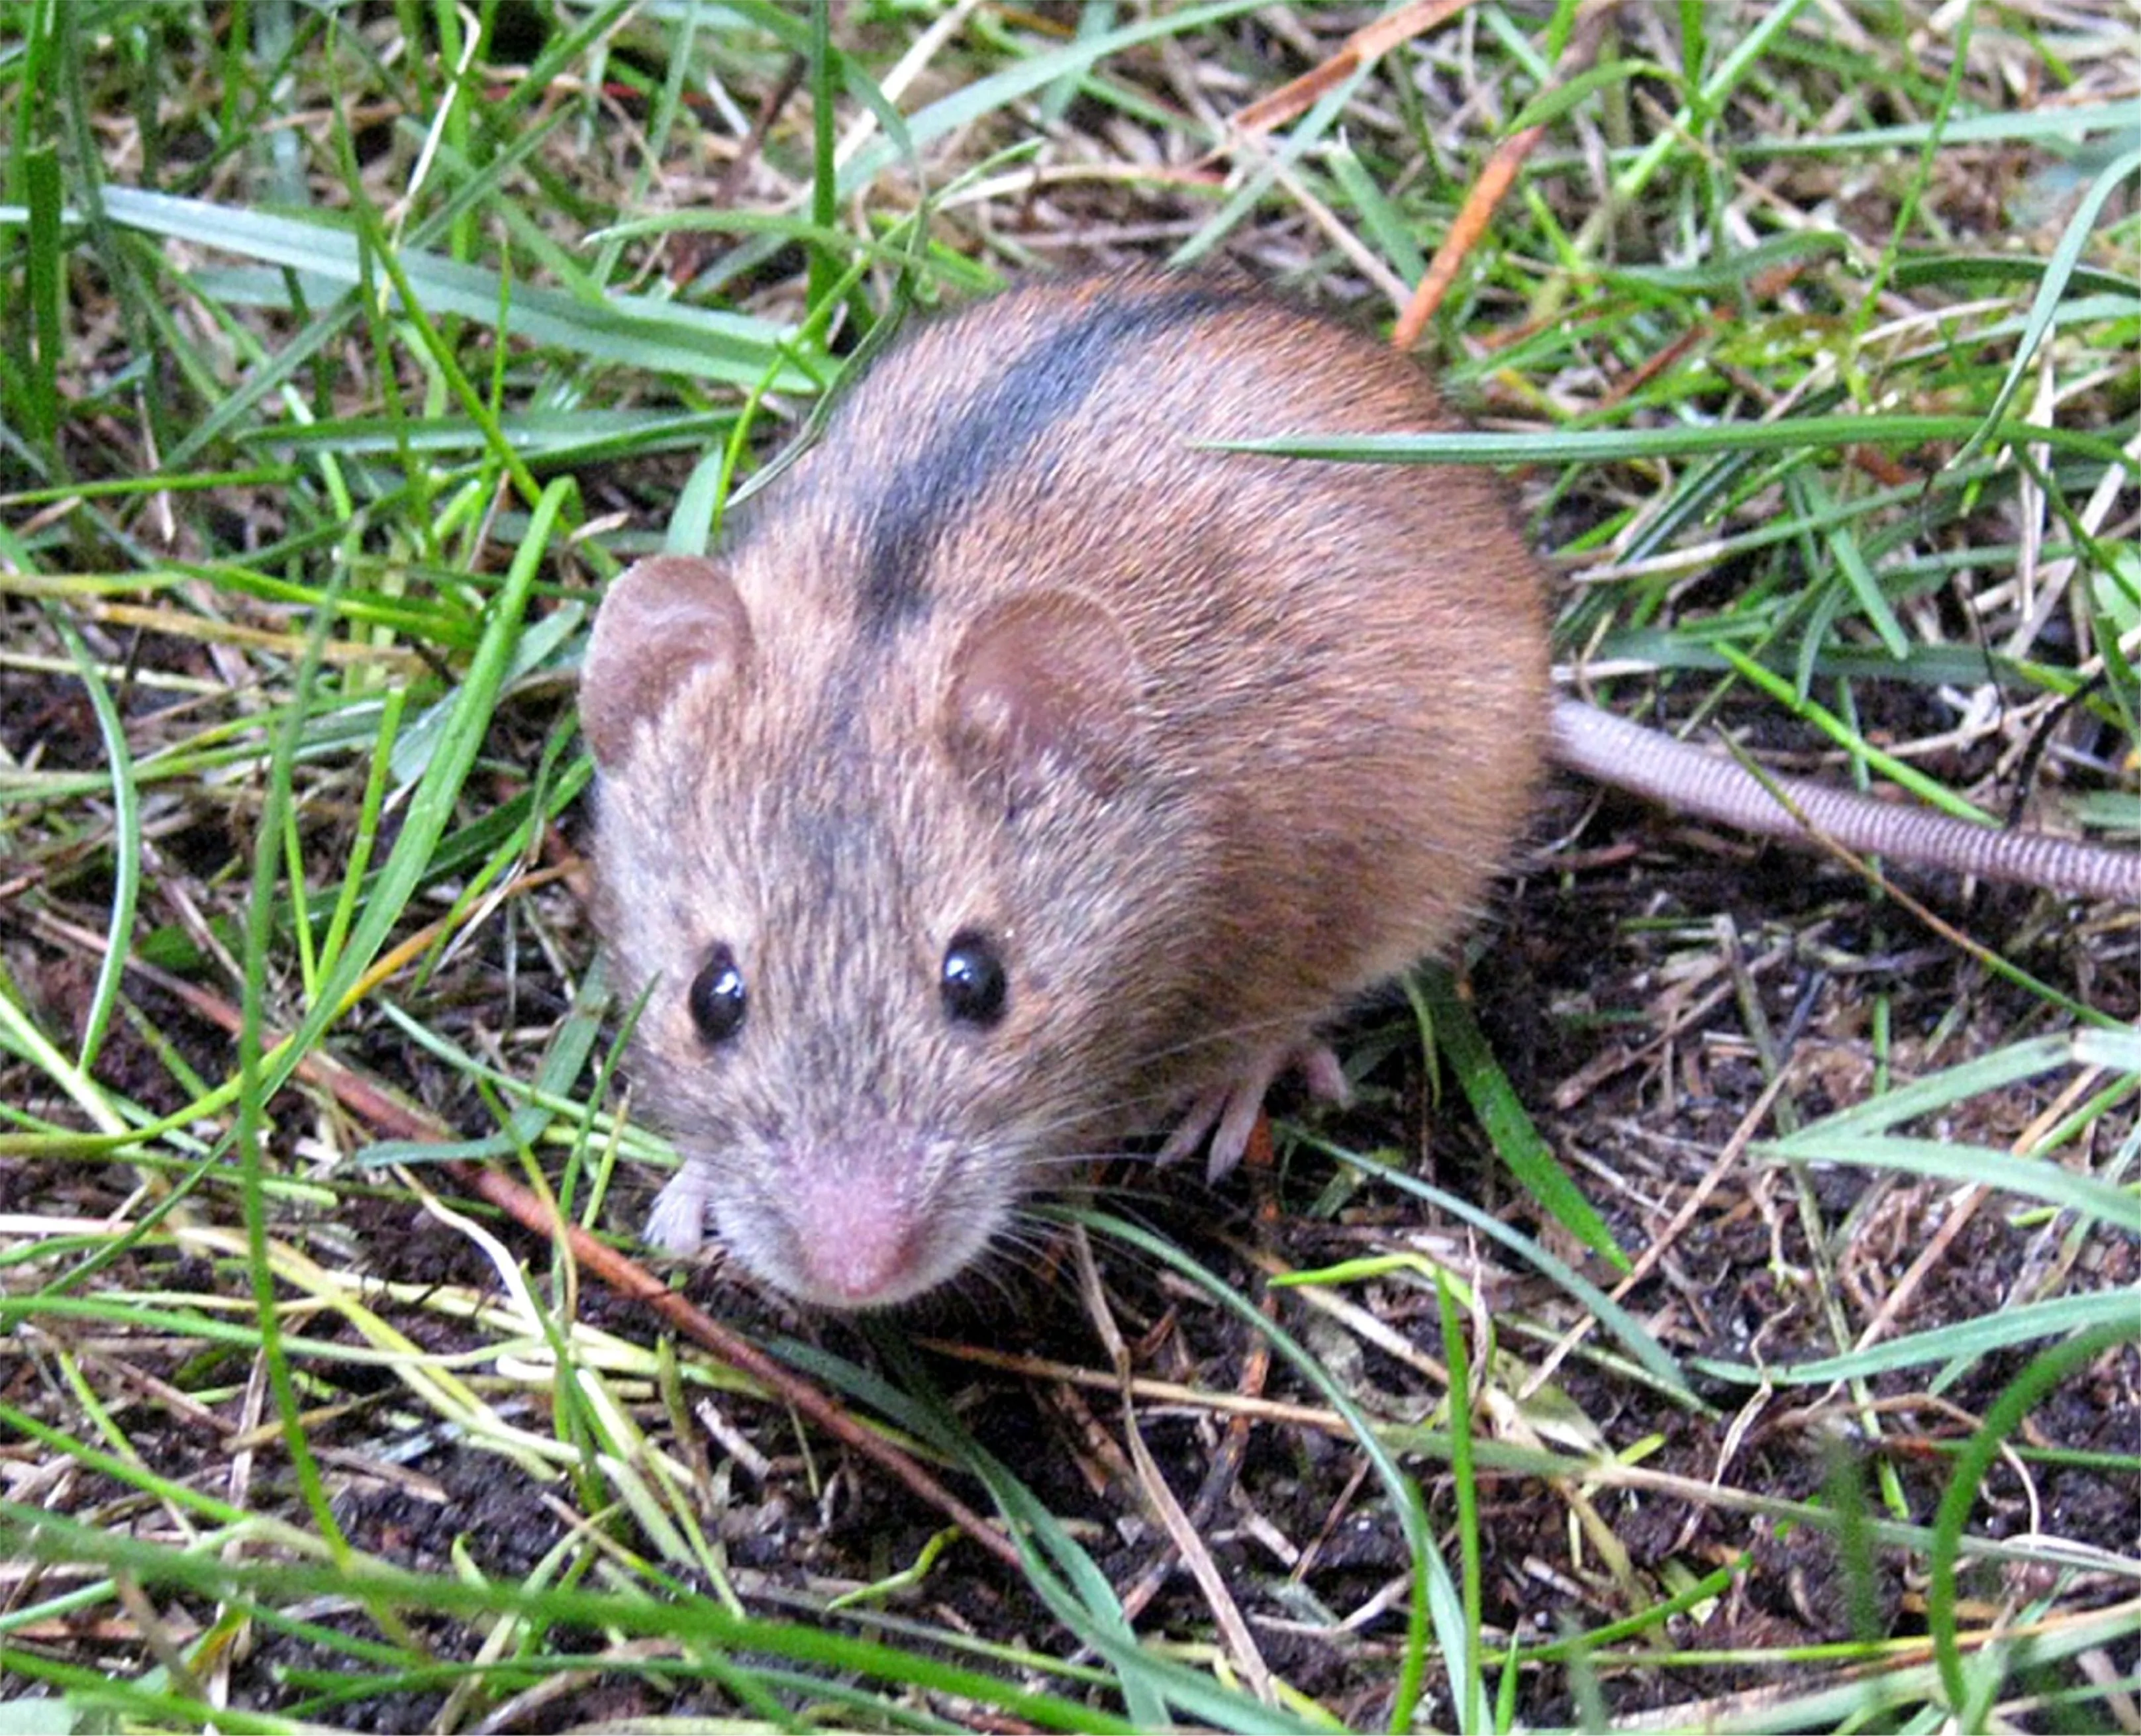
(857, 1239)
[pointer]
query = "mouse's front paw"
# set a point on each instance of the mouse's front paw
(677, 1223)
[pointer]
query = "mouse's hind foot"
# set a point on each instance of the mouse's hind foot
(1228, 1111)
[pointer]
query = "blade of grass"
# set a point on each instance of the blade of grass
(1967, 1482)
(1965, 1341)
(2052, 290)
(1460, 1628)
(1603, 446)
(638, 331)
(2031, 1178)
(34, 1534)
(126, 847)
(1446, 1020)
(1648, 1353)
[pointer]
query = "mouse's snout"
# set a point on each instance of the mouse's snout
(875, 1223)
(858, 1241)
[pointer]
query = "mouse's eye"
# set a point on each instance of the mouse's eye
(972, 983)
(718, 999)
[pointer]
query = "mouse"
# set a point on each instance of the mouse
(1025, 776)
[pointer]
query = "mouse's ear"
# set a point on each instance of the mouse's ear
(667, 618)
(1044, 678)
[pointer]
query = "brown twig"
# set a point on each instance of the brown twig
(1492, 187)
(1370, 43)
(1463, 232)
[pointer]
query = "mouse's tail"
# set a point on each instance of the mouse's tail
(1712, 786)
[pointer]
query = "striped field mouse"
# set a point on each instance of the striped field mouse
(1026, 777)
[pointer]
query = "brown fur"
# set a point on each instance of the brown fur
(1209, 742)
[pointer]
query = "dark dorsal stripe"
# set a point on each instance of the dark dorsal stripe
(996, 429)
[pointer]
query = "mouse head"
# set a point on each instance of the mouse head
(874, 898)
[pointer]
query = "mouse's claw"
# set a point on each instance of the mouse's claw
(1228, 1112)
